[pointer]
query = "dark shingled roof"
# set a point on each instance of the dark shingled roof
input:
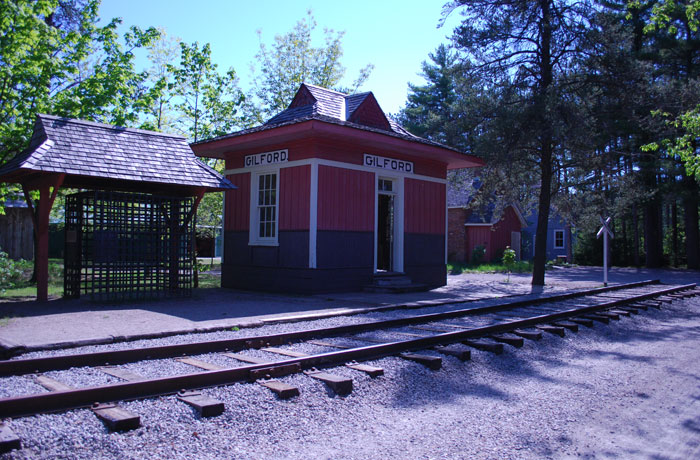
(331, 107)
(100, 151)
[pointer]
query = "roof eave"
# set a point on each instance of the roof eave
(218, 147)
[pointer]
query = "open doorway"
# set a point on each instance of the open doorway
(385, 225)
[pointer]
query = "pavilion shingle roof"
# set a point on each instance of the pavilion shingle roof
(95, 150)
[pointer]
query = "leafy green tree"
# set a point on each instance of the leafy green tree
(161, 115)
(208, 101)
(431, 110)
(529, 48)
(292, 60)
(54, 58)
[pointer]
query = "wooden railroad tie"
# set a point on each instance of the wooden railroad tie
(608, 314)
(582, 321)
(431, 362)
(597, 317)
(204, 405)
(372, 371)
(455, 351)
(556, 330)
(496, 348)
(8, 439)
(573, 327)
(516, 342)
(114, 417)
(122, 374)
(340, 385)
(281, 389)
(630, 310)
(200, 364)
(529, 335)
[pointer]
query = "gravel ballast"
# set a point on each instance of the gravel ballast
(624, 390)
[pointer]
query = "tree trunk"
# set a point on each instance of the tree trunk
(690, 208)
(546, 135)
(625, 244)
(653, 242)
(674, 232)
(635, 223)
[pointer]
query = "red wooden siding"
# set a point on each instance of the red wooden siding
(479, 235)
(494, 237)
(424, 207)
(502, 230)
(345, 199)
(237, 212)
(294, 189)
(369, 113)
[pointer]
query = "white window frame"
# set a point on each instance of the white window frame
(254, 230)
(563, 239)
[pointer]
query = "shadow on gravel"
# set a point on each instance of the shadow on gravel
(456, 379)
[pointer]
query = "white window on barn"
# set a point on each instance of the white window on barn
(264, 219)
(558, 239)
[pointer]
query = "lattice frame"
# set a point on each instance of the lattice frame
(127, 246)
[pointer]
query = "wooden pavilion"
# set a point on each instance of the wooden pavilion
(144, 188)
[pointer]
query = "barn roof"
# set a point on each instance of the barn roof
(96, 155)
(314, 103)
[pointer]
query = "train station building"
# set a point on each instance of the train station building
(333, 195)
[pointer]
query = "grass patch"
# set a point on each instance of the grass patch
(55, 289)
(519, 267)
(21, 287)
(209, 281)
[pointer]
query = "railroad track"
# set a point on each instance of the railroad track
(453, 333)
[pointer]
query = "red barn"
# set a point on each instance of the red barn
(468, 229)
(331, 193)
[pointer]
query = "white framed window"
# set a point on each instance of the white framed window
(264, 208)
(558, 239)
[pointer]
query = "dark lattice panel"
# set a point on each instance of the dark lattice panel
(123, 246)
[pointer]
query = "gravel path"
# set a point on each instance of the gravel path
(626, 390)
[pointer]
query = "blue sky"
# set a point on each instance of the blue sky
(395, 36)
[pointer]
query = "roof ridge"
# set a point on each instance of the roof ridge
(325, 89)
(359, 94)
(108, 126)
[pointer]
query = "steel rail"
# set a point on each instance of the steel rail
(70, 399)
(52, 363)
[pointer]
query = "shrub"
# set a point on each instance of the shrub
(478, 254)
(10, 273)
(509, 260)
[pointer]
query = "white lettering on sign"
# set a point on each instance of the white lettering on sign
(267, 158)
(375, 161)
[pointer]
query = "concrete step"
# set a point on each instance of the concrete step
(391, 279)
(394, 282)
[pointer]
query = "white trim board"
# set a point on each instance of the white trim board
(313, 215)
(339, 164)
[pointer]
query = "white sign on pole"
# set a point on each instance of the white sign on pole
(605, 232)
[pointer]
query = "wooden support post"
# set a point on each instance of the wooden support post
(40, 214)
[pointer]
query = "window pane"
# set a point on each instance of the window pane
(267, 205)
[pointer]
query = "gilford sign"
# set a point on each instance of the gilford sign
(375, 161)
(267, 158)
